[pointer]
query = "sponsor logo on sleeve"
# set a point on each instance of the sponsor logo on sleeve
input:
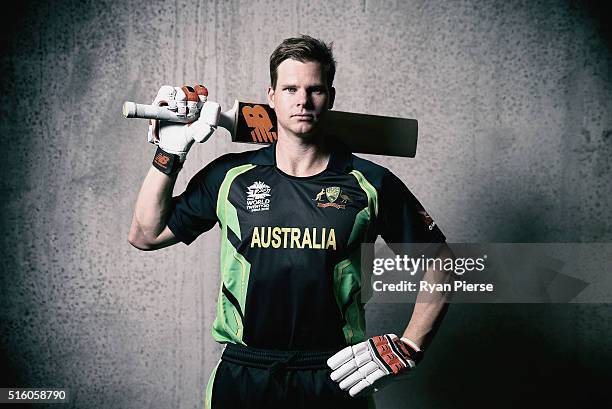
(429, 222)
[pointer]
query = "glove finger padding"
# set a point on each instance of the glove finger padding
(205, 126)
(202, 92)
(187, 102)
(174, 139)
(360, 374)
(369, 386)
(361, 368)
(348, 360)
(165, 97)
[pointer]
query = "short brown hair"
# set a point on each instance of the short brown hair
(303, 48)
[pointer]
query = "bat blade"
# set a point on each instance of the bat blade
(361, 133)
(373, 134)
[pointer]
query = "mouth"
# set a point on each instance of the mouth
(303, 117)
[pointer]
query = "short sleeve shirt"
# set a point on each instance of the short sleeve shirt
(290, 246)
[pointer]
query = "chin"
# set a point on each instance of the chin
(304, 130)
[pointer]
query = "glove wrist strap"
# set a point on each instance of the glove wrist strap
(167, 163)
(415, 352)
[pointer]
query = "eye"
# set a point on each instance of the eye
(318, 90)
(291, 89)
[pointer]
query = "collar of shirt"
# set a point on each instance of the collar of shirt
(340, 160)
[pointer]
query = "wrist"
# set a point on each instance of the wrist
(166, 162)
(410, 342)
(414, 351)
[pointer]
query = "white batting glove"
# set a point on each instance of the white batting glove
(364, 368)
(176, 138)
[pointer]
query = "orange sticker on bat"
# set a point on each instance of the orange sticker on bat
(258, 119)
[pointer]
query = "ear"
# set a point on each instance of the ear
(332, 97)
(271, 97)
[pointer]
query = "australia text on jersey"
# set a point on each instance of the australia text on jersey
(294, 237)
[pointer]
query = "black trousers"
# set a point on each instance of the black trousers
(249, 378)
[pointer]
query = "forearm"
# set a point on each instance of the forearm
(152, 208)
(425, 319)
(430, 308)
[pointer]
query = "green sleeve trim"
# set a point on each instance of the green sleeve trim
(347, 273)
(369, 190)
(347, 286)
(222, 199)
(235, 269)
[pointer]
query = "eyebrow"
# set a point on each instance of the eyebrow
(311, 87)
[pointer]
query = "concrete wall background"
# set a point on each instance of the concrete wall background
(514, 102)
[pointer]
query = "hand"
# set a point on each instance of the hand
(364, 368)
(176, 138)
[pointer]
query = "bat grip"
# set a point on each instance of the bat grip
(134, 110)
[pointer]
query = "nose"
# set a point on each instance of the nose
(302, 98)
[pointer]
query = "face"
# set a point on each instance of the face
(300, 98)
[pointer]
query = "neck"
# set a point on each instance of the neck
(297, 156)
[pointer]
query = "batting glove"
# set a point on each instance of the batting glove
(174, 139)
(364, 368)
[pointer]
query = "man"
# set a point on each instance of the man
(292, 216)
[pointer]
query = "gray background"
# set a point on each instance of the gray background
(514, 106)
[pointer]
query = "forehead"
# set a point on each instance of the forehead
(294, 72)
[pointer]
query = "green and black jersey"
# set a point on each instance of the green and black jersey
(290, 246)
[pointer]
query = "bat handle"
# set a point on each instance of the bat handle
(134, 110)
(229, 119)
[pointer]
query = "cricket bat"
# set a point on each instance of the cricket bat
(256, 123)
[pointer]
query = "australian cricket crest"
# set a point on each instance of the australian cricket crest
(258, 197)
(332, 193)
(327, 197)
